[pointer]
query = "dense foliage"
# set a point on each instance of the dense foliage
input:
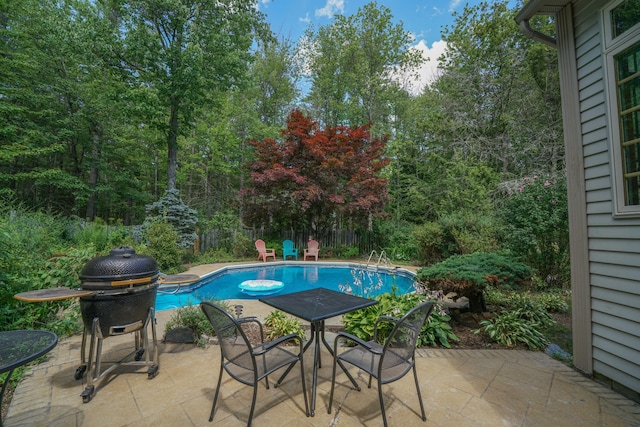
(108, 108)
(172, 210)
(468, 275)
(435, 332)
(534, 214)
(316, 178)
(278, 324)
(193, 318)
(105, 107)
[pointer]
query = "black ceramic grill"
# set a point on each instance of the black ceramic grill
(123, 287)
(117, 296)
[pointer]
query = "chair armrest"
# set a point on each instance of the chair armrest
(253, 319)
(355, 339)
(385, 318)
(268, 346)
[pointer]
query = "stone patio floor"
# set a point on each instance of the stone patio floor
(459, 388)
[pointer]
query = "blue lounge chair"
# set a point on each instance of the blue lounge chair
(289, 250)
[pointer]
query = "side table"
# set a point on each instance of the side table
(17, 348)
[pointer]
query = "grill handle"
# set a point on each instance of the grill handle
(131, 281)
(125, 329)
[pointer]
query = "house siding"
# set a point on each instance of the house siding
(614, 243)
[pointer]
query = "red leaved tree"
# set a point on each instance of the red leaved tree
(315, 178)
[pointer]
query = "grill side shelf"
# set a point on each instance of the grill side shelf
(52, 294)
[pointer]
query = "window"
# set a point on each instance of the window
(622, 61)
(627, 74)
(624, 16)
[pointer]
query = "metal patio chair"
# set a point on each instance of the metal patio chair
(246, 362)
(386, 362)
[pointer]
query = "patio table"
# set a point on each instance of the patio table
(315, 306)
(18, 348)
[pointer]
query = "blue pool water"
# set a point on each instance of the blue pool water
(221, 286)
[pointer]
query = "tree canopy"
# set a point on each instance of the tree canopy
(316, 178)
(105, 105)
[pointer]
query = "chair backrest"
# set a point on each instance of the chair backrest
(261, 247)
(400, 345)
(312, 245)
(234, 344)
(287, 245)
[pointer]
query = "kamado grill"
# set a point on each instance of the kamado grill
(117, 296)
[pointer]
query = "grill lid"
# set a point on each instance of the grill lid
(122, 264)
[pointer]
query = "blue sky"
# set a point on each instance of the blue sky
(424, 19)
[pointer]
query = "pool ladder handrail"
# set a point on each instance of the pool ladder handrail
(381, 258)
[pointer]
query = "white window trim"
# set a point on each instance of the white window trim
(612, 48)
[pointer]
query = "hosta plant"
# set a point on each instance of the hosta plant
(435, 332)
(279, 324)
(510, 329)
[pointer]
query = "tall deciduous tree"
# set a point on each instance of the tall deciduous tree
(491, 103)
(185, 50)
(355, 63)
(317, 178)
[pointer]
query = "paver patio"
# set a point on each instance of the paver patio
(460, 387)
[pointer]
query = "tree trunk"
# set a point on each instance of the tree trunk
(476, 302)
(90, 213)
(172, 147)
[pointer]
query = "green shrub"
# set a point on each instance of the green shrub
(191, 317)
(455, 233)
(171, 209)
(241, 246)
(527, 308)
(279, 324)
(162, 245)
(536, 226)
(34, 256)
(436, 330)
(467, 232)
(346, 252)
(100, 235)
(523, 321)
(510, 329)
(554, 302)
(397, 239)
(430, 242)
(469, 275)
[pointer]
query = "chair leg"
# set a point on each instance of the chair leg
(253, 403)
(415, 377)
(384, 414)
(333, 383)
(304, 389)
(215, 397)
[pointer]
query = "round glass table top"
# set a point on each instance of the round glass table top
(18, 348)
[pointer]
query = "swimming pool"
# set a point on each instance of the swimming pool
(344, 277)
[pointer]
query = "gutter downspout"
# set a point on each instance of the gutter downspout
(525, 27)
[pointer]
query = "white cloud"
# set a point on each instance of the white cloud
(331, 8)
(305, 20)
(429, 70)
(453, 4)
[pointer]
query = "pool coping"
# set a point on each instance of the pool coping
(207, 271)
